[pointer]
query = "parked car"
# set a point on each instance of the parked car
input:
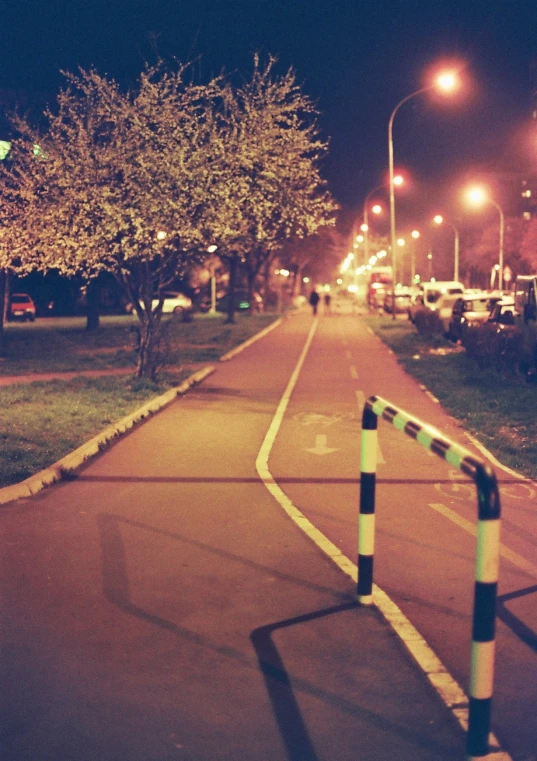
(470, 310)
(21, 307)
(242, 302)
(174, 303)
(526, 321)
(429, 295)
(403, 298)
(497, 340)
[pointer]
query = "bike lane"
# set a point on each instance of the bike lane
(425, 550)
(162, 606)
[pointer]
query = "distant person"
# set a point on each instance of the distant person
(314, 301)
(327, 301)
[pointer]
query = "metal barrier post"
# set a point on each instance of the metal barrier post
(487, 551)
(366, 522)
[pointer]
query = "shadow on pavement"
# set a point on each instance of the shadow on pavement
(518, 627)
(281, 684)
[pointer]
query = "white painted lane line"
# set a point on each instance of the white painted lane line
(449, 691)
(354, 372)
(510, 555)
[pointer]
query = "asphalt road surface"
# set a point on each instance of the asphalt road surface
(163, 606)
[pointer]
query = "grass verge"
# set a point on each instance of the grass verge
(42, 422)
(499, 410)
(63, 345)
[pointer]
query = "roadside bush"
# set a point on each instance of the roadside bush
(428, 323)
(500, 350)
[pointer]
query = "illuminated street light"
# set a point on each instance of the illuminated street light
(478, 196)
(212, 267)
(376, 209)
(162, 235)
(445, 81)
(415, 234)
(439, 220)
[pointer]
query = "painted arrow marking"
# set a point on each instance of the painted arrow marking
(320, 445)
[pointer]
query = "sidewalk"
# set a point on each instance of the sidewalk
(153, 612)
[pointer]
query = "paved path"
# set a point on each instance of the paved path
(163, 606)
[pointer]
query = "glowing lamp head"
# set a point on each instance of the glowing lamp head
(162, 235)
(376, 209)
(211, 249)
(364, 228)
(447, 81)
(400, 241)
(398, 180)
(476, 196)
(438, 219)
(415, 234)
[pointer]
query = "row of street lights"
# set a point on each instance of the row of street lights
(446, 82)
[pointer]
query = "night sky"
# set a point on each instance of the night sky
(356, 59)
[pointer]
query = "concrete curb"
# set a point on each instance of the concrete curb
(68, 464)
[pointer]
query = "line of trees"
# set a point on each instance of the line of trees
(140, 182)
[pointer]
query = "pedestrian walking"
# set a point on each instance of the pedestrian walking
(327, 301)
(314, 300)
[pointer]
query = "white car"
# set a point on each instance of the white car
(173, 303)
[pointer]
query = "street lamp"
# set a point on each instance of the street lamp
(478, 196)
(398, 180)
(446, 81)
(415, 234)
(439, 220)
(210, 250)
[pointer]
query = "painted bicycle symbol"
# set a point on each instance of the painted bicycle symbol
(322, 421)
(460, 488)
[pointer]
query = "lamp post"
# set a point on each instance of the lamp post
(415, 234)
(401, 242)
(478, 196)
(447, 82)
(211, 249)
(439, 220)
(398, 180)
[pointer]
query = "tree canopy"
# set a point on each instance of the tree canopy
(140, 182)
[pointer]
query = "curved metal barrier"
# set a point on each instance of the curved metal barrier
(487, 551)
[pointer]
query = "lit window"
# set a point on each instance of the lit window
(526, 194)
(527, 215)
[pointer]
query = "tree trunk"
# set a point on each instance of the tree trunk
(233, 266)
(251, 281)
(92, 304)
(297, 283)
(151, 345)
